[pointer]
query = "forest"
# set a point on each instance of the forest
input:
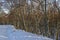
(40, 17)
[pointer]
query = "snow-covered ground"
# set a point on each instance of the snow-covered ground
(8, 32)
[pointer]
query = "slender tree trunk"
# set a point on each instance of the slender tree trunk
(45, 19)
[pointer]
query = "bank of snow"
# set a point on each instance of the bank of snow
(8, 32)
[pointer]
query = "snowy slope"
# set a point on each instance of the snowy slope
(7, 32)
(3, 33)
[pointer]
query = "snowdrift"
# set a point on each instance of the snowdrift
(8, 32)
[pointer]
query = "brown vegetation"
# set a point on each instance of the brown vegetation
(25, 18)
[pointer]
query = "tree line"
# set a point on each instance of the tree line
(31, 18)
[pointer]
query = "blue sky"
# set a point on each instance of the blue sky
(2, 0)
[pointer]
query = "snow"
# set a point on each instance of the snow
(8, 32)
